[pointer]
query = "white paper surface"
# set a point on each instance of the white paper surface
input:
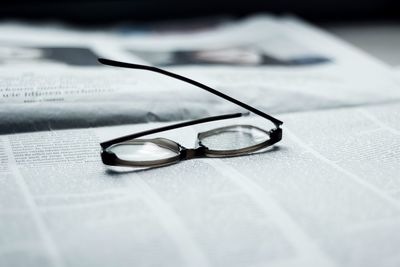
(330, 198)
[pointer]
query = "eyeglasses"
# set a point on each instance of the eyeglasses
(228, 141)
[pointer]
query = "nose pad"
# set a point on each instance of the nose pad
(198, 143)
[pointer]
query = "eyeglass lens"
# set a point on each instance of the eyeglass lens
(139, 150)
(233, 138)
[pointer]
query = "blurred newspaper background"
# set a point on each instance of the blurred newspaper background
(50, 77)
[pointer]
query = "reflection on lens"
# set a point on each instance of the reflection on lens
(140, 150)
(234, 137)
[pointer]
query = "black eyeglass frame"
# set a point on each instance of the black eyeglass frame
(109, 158)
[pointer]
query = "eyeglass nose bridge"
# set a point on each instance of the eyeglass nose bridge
(191, 153)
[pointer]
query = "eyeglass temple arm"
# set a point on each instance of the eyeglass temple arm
(193, 82)
(109, 143)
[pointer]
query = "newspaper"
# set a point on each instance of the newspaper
(330, 198)
(51, 79)
(326, 195)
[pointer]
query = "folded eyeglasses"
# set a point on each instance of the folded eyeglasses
(227, 141)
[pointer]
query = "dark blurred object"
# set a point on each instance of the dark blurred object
(73, 56)
(87, 11)
(232, 56)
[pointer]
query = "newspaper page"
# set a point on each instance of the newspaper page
(330, 198)
(50, 78)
